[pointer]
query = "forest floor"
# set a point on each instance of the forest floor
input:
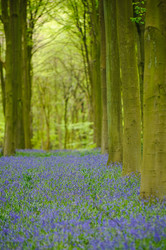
(73, 200)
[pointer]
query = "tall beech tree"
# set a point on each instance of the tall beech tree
(16, 10)
(153, 174)
(113, 84)
(9, 126)
(139, 20)
(95, 71)
(104, 135)
(31, 12)
(26, 75)
(13, 95)
(130, 88)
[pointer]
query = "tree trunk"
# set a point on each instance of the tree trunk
(130, 88)
(153, 180)
(26, 90)
(9, 146)
(59, 131)
(95, 69)
(2, 86)
(16, 9)
(65, 123)
(14, 134)
(47, 118)
(113, 84)
(140, 45)
(104, 136)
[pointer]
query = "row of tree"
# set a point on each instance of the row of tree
(128, 95)
(124, 78)
(16, 85)
(75, 88)
(121, 50)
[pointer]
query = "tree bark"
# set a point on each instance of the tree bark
(15, 12)
(66, 123)
(26, 79)
(130, 88)
(14, 134)
(153, 172)
(141, 29)
(9, 146)
(2, 85)
(104, 136)
(95, 69)
(114, 108)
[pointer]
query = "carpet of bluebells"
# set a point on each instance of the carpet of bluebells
(73, 200)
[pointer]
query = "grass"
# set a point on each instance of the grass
(72, 200)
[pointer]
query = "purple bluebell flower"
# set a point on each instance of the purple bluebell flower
(74, 200)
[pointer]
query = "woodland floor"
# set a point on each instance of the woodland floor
(73, 200)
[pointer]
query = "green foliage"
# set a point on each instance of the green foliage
(59, 76)
(139, 12)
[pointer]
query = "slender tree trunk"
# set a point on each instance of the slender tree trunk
(48, 136)
(29, 87)
(65, 123)
(17, 72)
(2, 86)
(114, 108)
(59, 131)
(42, 129)
(140, 30)
(26, 90)
(130, 88)
(104, 136)
(153, 173)
(140, 46)
(95, 69)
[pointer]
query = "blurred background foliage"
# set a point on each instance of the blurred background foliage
(60, 104)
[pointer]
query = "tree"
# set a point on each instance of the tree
(139, 20)
(85, 15)
(153, 173)
(113, 84)
(13, 100)
(95, 71)
(32, 11)
(104, 136)
(59, 69)
(26, 77)
(17, 72)
(2, 77)
(130, 88)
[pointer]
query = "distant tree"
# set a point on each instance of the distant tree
(130, 88)
(79, 12)
(114, 108)
(32, 12)
(85, 15)
(153, 172)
